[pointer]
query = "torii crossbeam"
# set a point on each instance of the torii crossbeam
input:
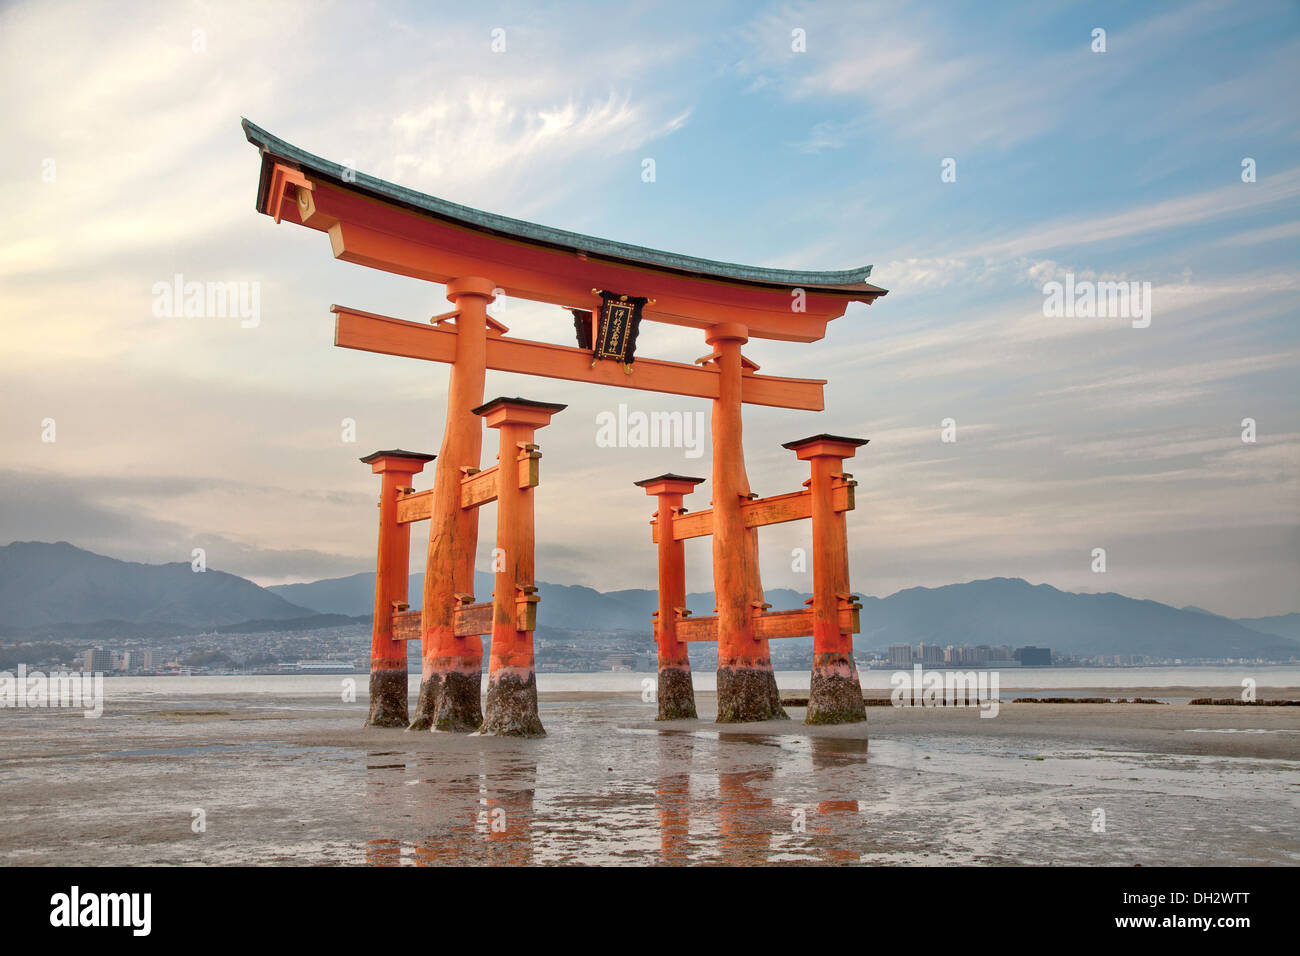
(610, 287)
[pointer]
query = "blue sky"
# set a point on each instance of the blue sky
(1073, 434)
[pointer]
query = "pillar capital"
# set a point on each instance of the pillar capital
(517, 411)
(668, 484)
(825, 446)
(726, 331)
(397, 460)
(471, 285)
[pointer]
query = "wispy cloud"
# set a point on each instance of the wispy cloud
(1071, 433)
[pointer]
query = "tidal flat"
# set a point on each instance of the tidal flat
(227, 775)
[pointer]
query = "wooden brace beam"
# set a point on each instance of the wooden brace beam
(469, 620)
(775, 509)
(769, 625)
(368, 332)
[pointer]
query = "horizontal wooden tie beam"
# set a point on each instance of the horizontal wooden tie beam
(368, 332)
(406, 626)
(767, 626)
(417, 506)
(479, 488)
(469, 620)
(758, 512)
(472, 619)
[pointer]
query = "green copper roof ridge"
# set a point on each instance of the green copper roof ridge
(522, 229)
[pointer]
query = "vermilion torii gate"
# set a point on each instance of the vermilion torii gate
(477, 256)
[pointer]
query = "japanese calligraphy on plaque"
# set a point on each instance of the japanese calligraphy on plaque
(618, 322)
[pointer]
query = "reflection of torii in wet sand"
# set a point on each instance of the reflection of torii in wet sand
(477, 256)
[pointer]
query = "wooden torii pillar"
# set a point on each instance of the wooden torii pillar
(676, 692)
(387, 655)
(835, 695)
(451, 666)
(512, 679)
(747, 688)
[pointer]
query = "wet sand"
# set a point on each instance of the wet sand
(299, 780)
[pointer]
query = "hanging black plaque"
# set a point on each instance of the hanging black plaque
(620, 320)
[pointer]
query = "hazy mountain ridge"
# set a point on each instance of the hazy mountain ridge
(1012, 611)
(50, 584)
(58, 587)
(1283, 625)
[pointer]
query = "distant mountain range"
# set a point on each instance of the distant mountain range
(994, 611)
(62, 589)
(1284, 625)
(1013, 611)
(49, 584)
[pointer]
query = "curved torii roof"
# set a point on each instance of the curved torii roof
(377, 223)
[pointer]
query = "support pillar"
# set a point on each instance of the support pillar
(676, 692)
(835, 696)
(451, 666)
(511, 705)
(387, 656)
(746, 685)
